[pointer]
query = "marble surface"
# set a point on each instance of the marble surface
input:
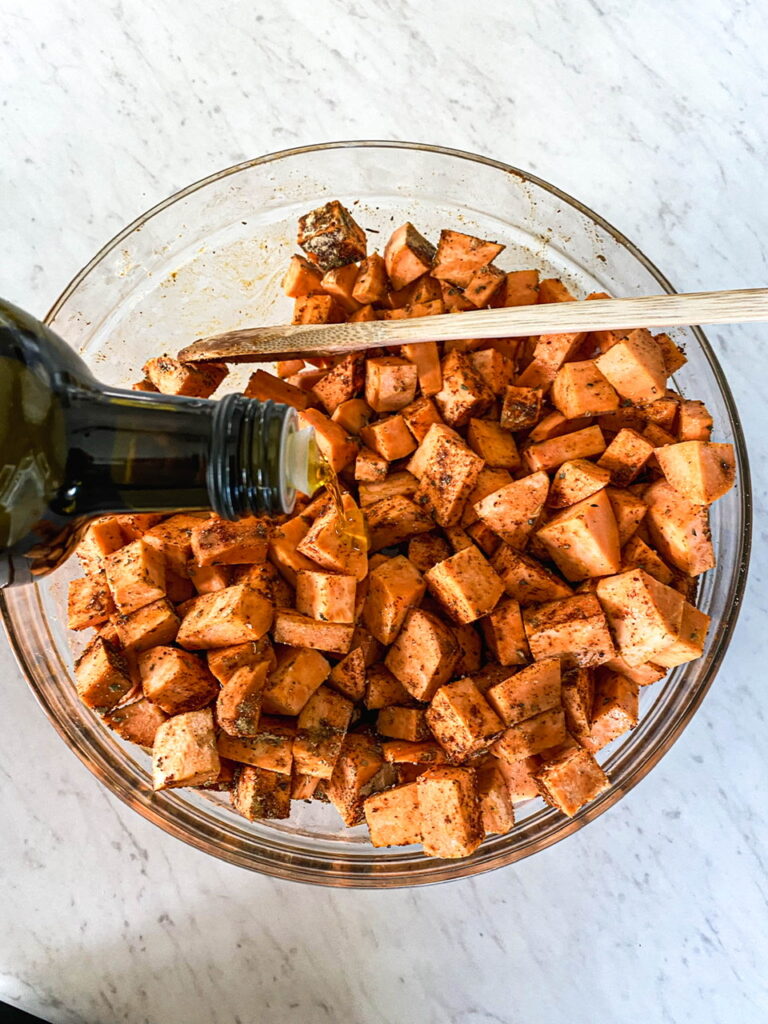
(653, 113)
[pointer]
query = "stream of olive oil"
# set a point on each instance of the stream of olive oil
(349, 525)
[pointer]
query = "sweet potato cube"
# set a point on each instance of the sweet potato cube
(521, 288)
(496, 812)
(352, 415)
(221, 542)
(583, 540)
(576, 480)
(450, 473)
(322, 724)
(451, 823)
(615, 710)
(226, 617)
(578, 696)
(173, 539)
(484, 284)
(420, 752)
(679, 529)
(330, 236)
(390, 383)
(518, 776)
(102, 536)
(102, 677)
(89, 602)
(371, 283)
(370, 466)
(524, 739)
(336, 446)
(402, 483)
(464, 393)
(393, 588)
(428, 447)
(460, 256)
(423, 655)
(573, 628)
(389, 437)
(283, 548)
(383, 690)
(629, 510)
(336, 544)
(626, 456)
(348, 675)
(301, 278)
(154, 624)
(426, 550)
(266, 387)
(358, 764)
(407, 255)
(699, 470)
(552, 289)
(393, 816)
(530, 691)
(137, 722)
(690, 641)
(694, 422)
(184, 752)
(521, 408)
(513, 511)
(135, 575)
(403, 723)
(466, 585)
(342, 383)
(224, 661)
(297, 630)
(571, 780)
(525, 579)
(462, 720)
(420, 415)
(195, 380)
(207, 579)
(339, 283)
(326, 596)
(644, 675)
(635, 367)
(493, 443)
(550, 352)
(504, 633)
(638, 555)
(580, 444)
(238, 705)
(393, 520)
(271, 747)
(580, 389)
(426, 358)
(644, 614)
(176, 680)
(260, 793)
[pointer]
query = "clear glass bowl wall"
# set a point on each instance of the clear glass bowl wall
(211, 258)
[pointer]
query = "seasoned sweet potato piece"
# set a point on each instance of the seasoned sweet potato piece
(230, 616)
(352, 415)
(513, 511)
(679, 529)
(580, 444)
(635, 367)
(496, 369)
(549, 354)
(521, 408)
(464, 393)
(339, 283)
(644, 614)
(322, 724)
(390, 438)
(89, 602)
(390, 383)
(580, 389)
(505, 634)
(173, 539)
(393, 520)
(449, 474)
(154, 624)
(694, 422)
(426, 550)
(271, 747)
(297, 630)
(407, 255)
(629, 510)
(102, 536)
(326, 596)
(426, 358)
(266, 387)
(451, 822)
(525, 579)
(301, 278)
(484, 284)
(496, 811)
(615, 709)
(223, 661)
(465, 585)
(493, 443)
(383, 690)
(626, 456)
(137, 722)
(394, 587)
(420, 415)
(403, 723)
(573, 628)
(207, 579)
(336, 446)
(638, 555)
(402, 483)
(283, 548)
(238, 705)
(259, 793)
(571, 780)
(528, 692)
(299, 673)
(331, 237)
(102, 677)
(342, 383)
(370, 466)
(576, 480)
(359, 762)
(462, 720)
(578, 695)
(184, 752)
(195, 380)
(552, 289)
(699, 470)
(460, 256)
(423, 655)
(521, 288)
(393, 816)
(524, 739)
(371, 283)
(338, 545)
(221, 542)
(690, 641)
(176, 680)
(644, 675)
(518, 776)
(583, 540)
(135, 575)
(348, 675)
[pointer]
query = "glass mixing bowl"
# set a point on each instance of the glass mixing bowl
(211, 258)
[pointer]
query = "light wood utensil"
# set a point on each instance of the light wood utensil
(264, 344)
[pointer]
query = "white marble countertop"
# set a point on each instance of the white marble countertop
(653, 113)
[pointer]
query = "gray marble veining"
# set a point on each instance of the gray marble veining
(652, 113)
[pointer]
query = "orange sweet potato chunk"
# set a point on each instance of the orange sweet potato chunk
(573, 628)
(583, 540)
(393, 817)
(464, 393)
(449, 808)
(466, 585)
(645, 615)
(371, 282)
(580, 389)
(576, 480)
(513, 511)
(504, 633)
(407, 255)
(571, 780)
(635, 367)
(331, 237)
(390, 383)
(301, 278)
(626, 456)
(528, 692)
(460, 256)
(423, 655)
(699, 470)
(579, 444)
(426, 359)
(521, 288)
(393, 587)
(336, 446)
(525, 579)
(679, 529)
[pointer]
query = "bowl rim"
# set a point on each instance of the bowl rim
(430, 871)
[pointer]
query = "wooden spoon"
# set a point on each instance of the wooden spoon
(264, 344)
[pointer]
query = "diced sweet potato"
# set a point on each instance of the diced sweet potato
(352, 415)
(322, 723)
(89, 602)
(407, 255)
(336, 446)
(403, 723)
(283, 548)
(337, 543)
(176, 680)
(466, 585)
(505, 635)
(371, 283)
(184, 752)
(393, 520)
(637, 554)
(423, 655)
(326, 596)
(389, 437)
(495, 802)
(576, 480)
(450, 473)
(420, 415)
(383, 690)
(679, 529)
(573, 629)
(330, 236)
(578, 695)
(580, 389)
(513, 511)
(266, 387)
(390, 383)
(154, 624)
(524, 739)
(635, 367)
(238, 705)
(340, 282)
(259, 793)
(583, 540)
(370, 466)
(393, 816)
(690, 641)
(629, 510)
(426, 550)
(460, 256)
(484, 284)
(421, 752)
(484, 537)
(394, 587)
(694, 422)
(462, 720)
(493, 443)
(402, 483)
(426, 358)
(464, 393)
(342, 383)
(549, 354)
(521, 288)
(700, 470)
(173, 539)
(525, 579)
(451, 822)
(102, 677)
(571, 780)
(657, 436)
(102, 536)
(521, 408)
(355, 772)
(271, 747)
(470, 650)
(297, 630)
(135, 575)
(626, 456)
(195, 380)
(527, 693)
(580, 444)
(230, 616)
(223, 661)
(458, 538)
(644, 614)
(301, 278)
(221, 542)
(207, 579)
(615, 710)
(644, 675)
(348, 675)
(552, 289)
(518, 776)
(137, 722)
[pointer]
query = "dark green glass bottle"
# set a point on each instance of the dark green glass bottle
(72, 448)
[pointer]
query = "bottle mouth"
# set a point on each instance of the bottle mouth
(295, 459)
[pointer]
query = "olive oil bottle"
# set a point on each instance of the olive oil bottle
(72, 448)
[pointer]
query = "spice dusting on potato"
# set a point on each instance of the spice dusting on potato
(511, 557)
